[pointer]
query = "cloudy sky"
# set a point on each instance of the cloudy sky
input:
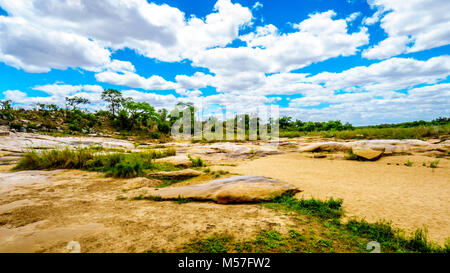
(360, 61)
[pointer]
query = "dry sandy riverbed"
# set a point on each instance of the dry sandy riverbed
(410, 197)
(41, 211)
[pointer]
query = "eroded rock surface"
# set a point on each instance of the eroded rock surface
(388, 147)
(237, 189)
(140, 182)
(17, 142)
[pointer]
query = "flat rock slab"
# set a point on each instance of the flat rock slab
(177, 160)
(140, 182)
(236, 189)
(177, 174)
(366, 153)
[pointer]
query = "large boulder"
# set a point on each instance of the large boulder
(367, 153)
(237, 189)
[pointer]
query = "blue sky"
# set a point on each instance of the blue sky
(364, 62)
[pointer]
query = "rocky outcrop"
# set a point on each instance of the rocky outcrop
(237, 189)
(17, 142)
(223, 150)
(388, 147)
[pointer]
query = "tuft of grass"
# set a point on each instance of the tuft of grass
(408, 163)
(150, 197)
(182, 200)
(219, 173)
(434, 163)
(197, 162)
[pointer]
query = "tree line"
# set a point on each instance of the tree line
(125, 115)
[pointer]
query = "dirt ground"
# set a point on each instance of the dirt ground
(410, 197)
(41, 211)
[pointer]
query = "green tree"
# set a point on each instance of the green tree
(309, 126)
(285, 122)
(6, 110)
(75, 101)
(139, 113)
(114, 99)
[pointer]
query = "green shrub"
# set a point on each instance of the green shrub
(15, 125)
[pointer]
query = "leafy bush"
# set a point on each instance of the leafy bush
(15, 125)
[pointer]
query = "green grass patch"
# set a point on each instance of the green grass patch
(214, 244)
(418, 132)
(329, 209)
(395, 239)
(123, 165)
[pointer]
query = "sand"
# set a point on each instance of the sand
(410, 197)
